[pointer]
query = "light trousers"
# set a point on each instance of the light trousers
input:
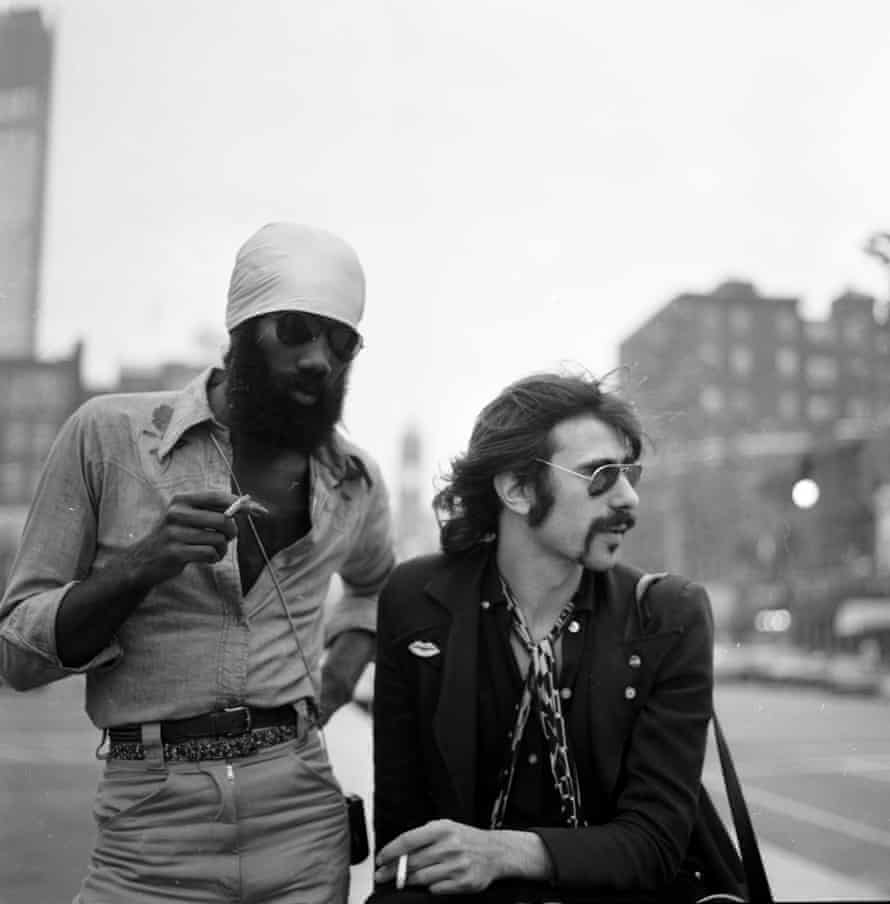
(270, 828)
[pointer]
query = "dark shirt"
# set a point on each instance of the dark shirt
(533, 800)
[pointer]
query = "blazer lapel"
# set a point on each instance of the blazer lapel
(454, 723)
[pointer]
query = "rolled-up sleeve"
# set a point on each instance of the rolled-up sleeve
(367, 566)
(55, 551)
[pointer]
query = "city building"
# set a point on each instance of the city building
(738, 391)
(26, 56)
(732, 362)
(415, 526)
(169, 375)
(36, 397)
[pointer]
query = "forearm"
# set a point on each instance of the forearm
(91, 612)
(344, 663)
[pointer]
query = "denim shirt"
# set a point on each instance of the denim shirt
(196, 642)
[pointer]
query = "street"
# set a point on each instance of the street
(815, 768)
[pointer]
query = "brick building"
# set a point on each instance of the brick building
(733, 361)
(737, 389)
(36, 397)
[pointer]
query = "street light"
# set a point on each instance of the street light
(878, 246)
(805, 493)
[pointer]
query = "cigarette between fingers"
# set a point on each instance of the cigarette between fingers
(240, 502)
(402, 871)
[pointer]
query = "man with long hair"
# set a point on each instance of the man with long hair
(178, 552)
(538, 735)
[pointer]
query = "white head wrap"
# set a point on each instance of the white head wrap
(286, 267)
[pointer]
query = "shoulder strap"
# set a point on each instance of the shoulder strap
(755, 875)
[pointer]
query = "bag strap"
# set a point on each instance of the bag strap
(759, 891)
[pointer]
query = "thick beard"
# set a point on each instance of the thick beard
(261, 409)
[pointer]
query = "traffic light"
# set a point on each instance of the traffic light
(805, 492)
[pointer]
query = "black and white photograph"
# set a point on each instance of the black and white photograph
(444, 451)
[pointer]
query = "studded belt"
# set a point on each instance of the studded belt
(237, 731)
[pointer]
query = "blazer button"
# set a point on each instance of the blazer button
(574, 627)
(630, 693)
(485, 604)
(566, 693)
(634, 662)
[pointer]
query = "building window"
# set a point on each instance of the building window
(741, 360)
(786, 362)
(711, 399)
(819, 408)
(740, 320)
(789, 406)
(821, 369)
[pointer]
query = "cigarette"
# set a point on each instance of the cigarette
(402, 871)
(237, 505)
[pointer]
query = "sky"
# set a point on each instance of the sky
(525, 183)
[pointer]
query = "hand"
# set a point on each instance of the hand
(193, 529)
(447, 857)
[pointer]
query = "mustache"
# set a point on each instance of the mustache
(617, 521)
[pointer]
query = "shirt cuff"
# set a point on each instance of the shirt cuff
(28, 637)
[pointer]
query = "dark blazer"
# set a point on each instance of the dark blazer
(638, 725)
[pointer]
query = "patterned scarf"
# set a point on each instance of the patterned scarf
(540, 691)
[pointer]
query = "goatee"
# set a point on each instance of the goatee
(260, 405)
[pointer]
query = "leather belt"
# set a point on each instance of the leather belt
(233, 721)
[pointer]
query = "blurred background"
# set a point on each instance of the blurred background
(691, 196)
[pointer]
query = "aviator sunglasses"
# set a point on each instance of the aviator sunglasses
(605, 476)
(299, 328)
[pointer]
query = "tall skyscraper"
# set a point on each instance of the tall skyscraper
(415, 524)
(26, 53)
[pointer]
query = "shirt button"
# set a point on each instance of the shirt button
(634, 662)
(566, 693)
(532, 759)
(630, 693)
(486, 604)
(574, 627)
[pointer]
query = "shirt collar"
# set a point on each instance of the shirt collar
(190, 408)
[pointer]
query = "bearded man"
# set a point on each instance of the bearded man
(200, 626)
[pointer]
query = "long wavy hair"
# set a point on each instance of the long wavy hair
(510, 433)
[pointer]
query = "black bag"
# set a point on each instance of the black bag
(358, 829)
(720, 874)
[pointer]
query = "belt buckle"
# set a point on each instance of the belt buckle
(245, 726)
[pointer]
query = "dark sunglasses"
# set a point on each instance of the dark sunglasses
(299, 328)
(605, 476)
